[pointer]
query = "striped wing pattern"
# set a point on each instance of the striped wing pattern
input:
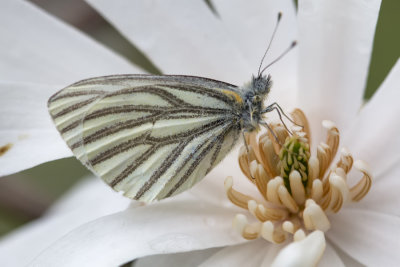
(148, 136)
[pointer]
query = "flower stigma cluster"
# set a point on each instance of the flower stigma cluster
(298, 190)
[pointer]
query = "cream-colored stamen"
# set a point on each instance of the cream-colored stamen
(359, 191)
(287, 199)
(317, 190)
(314, 217)
(298, 189)
(270, 233)
(299, 235)
(248, 231)
(272, 190)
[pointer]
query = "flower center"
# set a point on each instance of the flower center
(294, 156)
(298, 189)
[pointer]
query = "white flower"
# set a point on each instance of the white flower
(325, 76)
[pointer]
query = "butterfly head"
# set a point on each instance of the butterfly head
(256, 92)
(261, 85)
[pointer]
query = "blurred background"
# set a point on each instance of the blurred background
(27, 195)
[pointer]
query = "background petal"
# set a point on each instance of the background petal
(335, 44)
(306, 252)
(182, 37)
(331, 258)
(374, 138)
(41, 49)
(176, 225)
(38, 56)
(190, 258)
(249, 254)
(27, 127)
(88, 201)
(371, 238)
(251, 27)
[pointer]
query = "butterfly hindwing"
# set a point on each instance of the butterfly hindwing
(149, 136)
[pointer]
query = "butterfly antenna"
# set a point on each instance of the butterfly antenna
(292, 45)
(270, 42)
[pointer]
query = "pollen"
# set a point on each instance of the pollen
(298, 190)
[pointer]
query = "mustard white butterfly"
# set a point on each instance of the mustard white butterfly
(153, 136)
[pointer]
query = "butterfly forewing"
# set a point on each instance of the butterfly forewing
(149, 136)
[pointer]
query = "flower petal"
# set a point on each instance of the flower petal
(306, 252)
(377, 128)
(42, 49)
(38, 56)
(251, 27)
(180, 38)
(335, 44)
(249, 254)
(383, 196)
(190, 258)
(374, 138)
(26, 127)
(371, 238)
(34, 237)
(175, 225)
(330, 258)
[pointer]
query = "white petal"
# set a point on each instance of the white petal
(191, 258)
(212, 190)
(175, 225)
(249, 254)
(330, 258)
(374, 134)
(383, 196)
(340, 258)
(36, 47)
(26, 125)
(371, 238)
(90, 192)
(182, 37)
(251, 26)
(374, 138)
(33, 238)
(335, 44)
(306, 252)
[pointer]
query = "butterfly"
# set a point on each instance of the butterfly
(154, 136)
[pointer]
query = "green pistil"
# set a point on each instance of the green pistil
(294, 155)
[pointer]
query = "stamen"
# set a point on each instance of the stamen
(359, 191)
(288, 226)
(314, 217)
(281, 133)
(248, 231)
(287, 199)
(301, 119)
(269, 158)
(298, 191)
(305, 187)
(346, 160)
(260, 177)
(271, 234)
(317, 191)
(299, 235)
(234, 196)
(272, 190)
(313, 169)
(340, 192)
(264, 214)
(244, 159)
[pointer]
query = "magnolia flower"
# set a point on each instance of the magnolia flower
(325, 76)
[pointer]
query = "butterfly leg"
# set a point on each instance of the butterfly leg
(279, 109)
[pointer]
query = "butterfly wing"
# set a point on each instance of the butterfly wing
(149, 136)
